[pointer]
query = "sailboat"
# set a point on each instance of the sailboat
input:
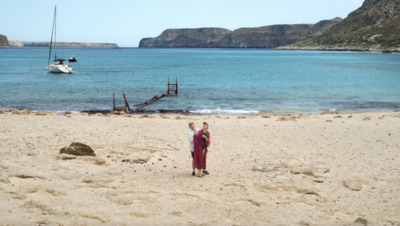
(57, 66)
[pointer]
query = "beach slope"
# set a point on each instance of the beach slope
(332, 169)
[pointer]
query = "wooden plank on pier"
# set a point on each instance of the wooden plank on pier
(126, 102)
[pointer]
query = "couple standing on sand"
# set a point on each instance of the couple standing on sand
(199, 142)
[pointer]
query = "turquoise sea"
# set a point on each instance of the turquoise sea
(211, 81)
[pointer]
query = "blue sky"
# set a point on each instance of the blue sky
(127, 21)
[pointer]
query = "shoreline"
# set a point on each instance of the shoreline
(340, 49)
(288, 48)
(189, 113)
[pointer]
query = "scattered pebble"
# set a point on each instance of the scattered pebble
(352, 185)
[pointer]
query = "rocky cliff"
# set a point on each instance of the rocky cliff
(63, 44)
(4, 41)
(375, 26)
(201, 37)
(260, 37)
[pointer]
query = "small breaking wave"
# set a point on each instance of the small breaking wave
(223, 111)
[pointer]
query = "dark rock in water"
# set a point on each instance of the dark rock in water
(79, 149)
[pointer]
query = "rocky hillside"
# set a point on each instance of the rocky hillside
(63, 44)
(201, 37)
(260, 37)
(4, 41)
(375, 26)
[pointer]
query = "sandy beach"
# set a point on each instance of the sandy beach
(330, 169)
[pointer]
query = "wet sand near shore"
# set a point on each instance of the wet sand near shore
(328, 169)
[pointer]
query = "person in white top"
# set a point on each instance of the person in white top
(191, 133)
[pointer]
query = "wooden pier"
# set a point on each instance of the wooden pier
(172, 89)
(121, 108)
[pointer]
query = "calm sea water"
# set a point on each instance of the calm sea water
(210, 81)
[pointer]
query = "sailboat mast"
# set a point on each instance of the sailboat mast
(52, 33)
(55, 32)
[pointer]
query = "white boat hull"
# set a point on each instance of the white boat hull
(59, 68)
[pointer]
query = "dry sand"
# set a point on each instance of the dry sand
(333, 169)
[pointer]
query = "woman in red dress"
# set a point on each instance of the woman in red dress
(201, 143)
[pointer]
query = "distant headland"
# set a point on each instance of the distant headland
(259, 37)
(375, 26)
(63, 44)
(4, 42)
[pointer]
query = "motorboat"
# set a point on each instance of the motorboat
(73, 59)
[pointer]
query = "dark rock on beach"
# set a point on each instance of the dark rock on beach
(78, 149)
(361, 221)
